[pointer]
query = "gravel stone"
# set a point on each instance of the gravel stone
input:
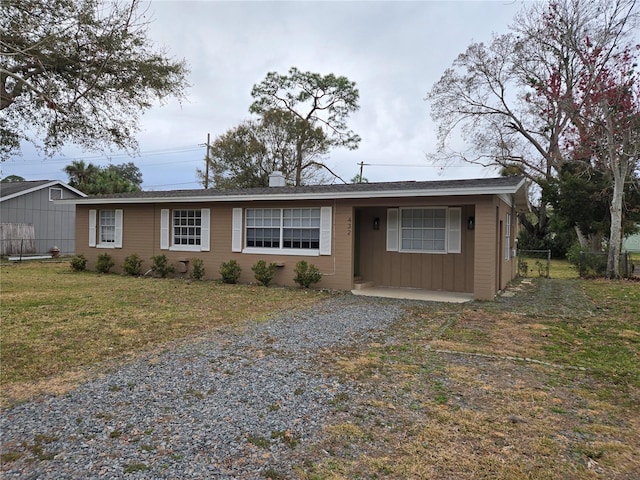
(227, 406)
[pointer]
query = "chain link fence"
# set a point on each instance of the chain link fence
(537, 263)
(594, 264)
(534, 263)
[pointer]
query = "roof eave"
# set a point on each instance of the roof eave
(40, 187)
(461, 191)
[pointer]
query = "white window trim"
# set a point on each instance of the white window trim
(57, 189)
(94, 235)
(309, 252)
(166, 232)
(238, 236)
(446, 232)
(394, 230)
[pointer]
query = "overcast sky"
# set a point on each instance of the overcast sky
(393, 50)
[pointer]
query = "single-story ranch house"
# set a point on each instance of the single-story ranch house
(448, 235)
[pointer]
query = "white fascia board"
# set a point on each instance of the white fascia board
(53, 183)
(505, 190)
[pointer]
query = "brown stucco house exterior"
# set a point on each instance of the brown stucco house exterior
(448, 235)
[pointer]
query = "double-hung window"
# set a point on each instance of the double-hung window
(301, 228)
(287, 231)
(184, 229)
(424, 230)
(187, 227)
(283, 228)
(264, 227)
(105, 228)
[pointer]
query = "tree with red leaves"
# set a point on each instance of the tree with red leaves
(605, 130)
(525, 101)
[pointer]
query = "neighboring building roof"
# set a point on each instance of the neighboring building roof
(10, 190)
(485, 186)
(632, 243)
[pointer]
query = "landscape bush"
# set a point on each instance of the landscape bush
(197, 269)
(132, 264)
(589, 264)
(104, 263)
(79, 263)
(230, 271)
(161, 266)
(264, 272)
(306, 274)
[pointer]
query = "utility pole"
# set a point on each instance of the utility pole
(361, 167)
(206, 160)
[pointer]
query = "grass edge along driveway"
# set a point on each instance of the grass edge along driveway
(56, 323)
(448, 393)
(443, 394)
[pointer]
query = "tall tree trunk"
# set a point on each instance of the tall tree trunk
(615, 237)
(583, 240)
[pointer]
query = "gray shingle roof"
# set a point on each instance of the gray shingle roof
(11, 188)
(337, 190)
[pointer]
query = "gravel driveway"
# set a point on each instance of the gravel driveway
(227, 406)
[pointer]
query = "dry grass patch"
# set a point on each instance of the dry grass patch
(56, 322)
(424, 414)
(505, 334)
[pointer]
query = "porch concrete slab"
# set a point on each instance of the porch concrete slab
(415, 294)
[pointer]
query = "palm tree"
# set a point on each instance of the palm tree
(81, 176)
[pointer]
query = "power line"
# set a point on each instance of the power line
(418, 165)
(170, 184)
(117, 156)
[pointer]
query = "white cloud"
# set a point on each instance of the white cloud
(394, 51)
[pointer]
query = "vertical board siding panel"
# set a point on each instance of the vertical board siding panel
(416, 271)
(405, 263)
(436, 272)
(425, 281)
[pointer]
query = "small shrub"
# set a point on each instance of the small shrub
(523, 268)
(264, 272)
(197, 269)
(589, 264)
(161, 265)
(230, 271)
(132, 264)
(306, 275)
(79, 263)
(543, 268)
(104, 263)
